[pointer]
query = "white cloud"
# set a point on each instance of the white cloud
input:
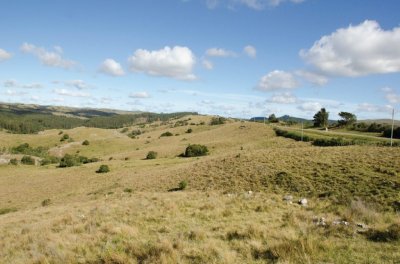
(313, 77)
(176, 62)
(208, 64)
(261, 4)
(14, 93)
(356, 51)
(140, 95)
(218, 52)
(15, 84)
(367, 107)
(111, 67)
(65, 92)
(211, 4)
(250, 51)
(48, 58)
(277, 80)
(283, 98)
(79, 84)
(4, 55)
(310, 107)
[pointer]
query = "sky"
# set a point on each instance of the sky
(234, 58)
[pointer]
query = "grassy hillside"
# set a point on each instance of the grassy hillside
(232, 211)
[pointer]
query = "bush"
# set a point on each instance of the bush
(13, 161)
(195, 150)
(217, 121)
(85, 143)
(388, 235)
(325, 142)
(68, 161)
(151, 155)
(46, 202)
(103, 169)
(183, 185)
(189, 131)
(166, 134)
(64, 137)
(27, 160)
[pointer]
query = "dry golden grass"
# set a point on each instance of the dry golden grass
(128, 215)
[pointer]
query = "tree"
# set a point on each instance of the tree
(103, 169)
(272, 119)
(347, 118)
(321, 118)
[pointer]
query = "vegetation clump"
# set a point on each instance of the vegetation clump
(182, 185)
(217, 121)
(7, 210)
(46, 202)
(64, 137)
(196, 150)
(103, 169)
(74, 160)
(151, 155)
(189, 131)
(85, 142)
(27, 160)
(166, 134)
(13, 161)
(391, 234)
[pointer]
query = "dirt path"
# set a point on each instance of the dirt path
(59, 150)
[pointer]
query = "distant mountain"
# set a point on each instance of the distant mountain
(287, 118)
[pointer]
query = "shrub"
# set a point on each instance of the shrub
(189, 130)
(151, 155)
(128, 190)
(64, 137)
(217, 121)
(103, 169)
(196, 150)
(325, 142)
(183, 185)
(13, 161)
(85, 142)
(46, 202)
(166, 134)
(49, 160)
(68, 161)
(7, 210)
(27, 160)
(390, 234)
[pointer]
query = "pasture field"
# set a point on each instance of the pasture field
(239, 206)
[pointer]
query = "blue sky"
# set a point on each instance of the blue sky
(238, 58)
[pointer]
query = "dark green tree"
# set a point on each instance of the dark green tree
(321, 118)
(347, 118)
(272, 119)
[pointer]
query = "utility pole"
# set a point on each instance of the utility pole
(391, 134)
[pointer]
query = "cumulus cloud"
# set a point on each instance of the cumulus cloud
(10, 92)
(176, 62)
(4, 55)
(15, 84)
(356, 51)
(218, 52)
(250, 51)
(312, 77)
(207, 64)
(277, 80)
(139, 95)
(111, 67)
(48, 58)
(283, 98)
(310, 107)
(65, 92)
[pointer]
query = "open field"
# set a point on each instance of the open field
(232, 210)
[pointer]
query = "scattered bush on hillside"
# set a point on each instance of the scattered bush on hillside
(391, 234)
(166, 134)
(74, 160)
(217, 121)
(195, 150)
(326, 142)
(27, 160)
(103, 169)
(85, 142)
(64, 137)
(124, 130)
(46, 202)
(7, 210)
(13, 162)
(182, 185)
(60, 133)
(135, 133)
(28, 150)
(151, 155)
(189, 131)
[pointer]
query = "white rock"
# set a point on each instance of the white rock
(303, 202)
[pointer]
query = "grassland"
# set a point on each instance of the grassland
(232, 210)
